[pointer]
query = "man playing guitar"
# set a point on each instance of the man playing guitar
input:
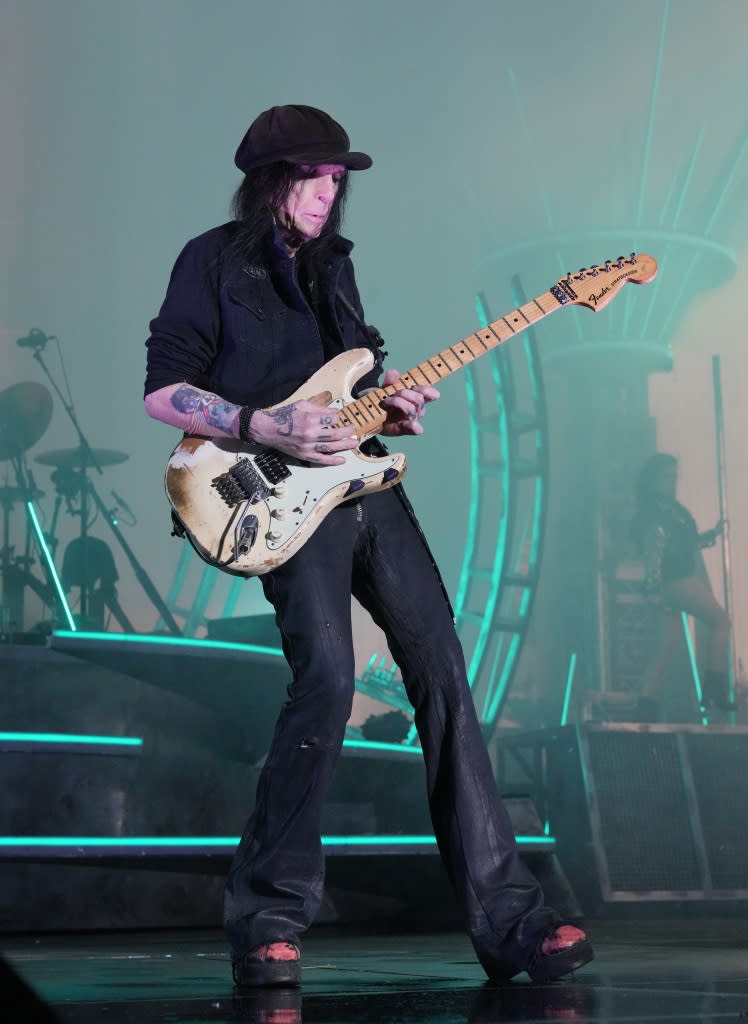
(253, 308)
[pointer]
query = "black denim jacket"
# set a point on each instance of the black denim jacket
(246, 331)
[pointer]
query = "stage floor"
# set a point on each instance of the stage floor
(644, 972)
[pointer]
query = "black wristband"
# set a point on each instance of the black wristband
(244, 417)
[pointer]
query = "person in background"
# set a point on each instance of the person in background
(669, 541)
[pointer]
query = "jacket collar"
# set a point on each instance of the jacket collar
(277, 253)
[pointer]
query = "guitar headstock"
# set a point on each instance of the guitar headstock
(595, 286)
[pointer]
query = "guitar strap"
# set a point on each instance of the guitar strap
(375, 338)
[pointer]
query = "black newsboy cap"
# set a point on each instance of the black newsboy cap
(300, 135)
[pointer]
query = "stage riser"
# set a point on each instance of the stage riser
(648, 815)
(77, 896)
(382, 891)
(49, 692)
(194, 775)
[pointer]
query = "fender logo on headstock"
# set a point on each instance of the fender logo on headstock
(608, 279)
(595, 297)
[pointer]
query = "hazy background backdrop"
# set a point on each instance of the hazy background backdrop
(490, 123)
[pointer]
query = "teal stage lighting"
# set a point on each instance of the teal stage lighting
(74, 739)
(569, 685)
(47, 554)
(228, 843)
(172, 641)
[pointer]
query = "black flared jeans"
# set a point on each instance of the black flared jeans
(373, 550)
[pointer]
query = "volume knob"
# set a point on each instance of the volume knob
(273, 535)
(279, 513)
(280, 490)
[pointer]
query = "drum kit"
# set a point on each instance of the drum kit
(25, 415)
(88, 564)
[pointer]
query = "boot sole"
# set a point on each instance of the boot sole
(550, 966)
(268, 974)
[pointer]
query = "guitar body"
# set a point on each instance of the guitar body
(247, 509)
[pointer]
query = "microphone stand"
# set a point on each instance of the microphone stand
(88, 490)
(732, 673)
(87, 459)
(141, 575)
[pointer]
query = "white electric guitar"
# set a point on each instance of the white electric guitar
(247, 509)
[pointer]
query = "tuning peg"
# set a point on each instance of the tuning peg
(582, 274)
(608, 264)
(632, 258)
(619, 262)
(594, 270)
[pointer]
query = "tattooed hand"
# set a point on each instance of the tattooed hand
(305, 431)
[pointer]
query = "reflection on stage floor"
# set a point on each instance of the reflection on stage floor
(644, 972)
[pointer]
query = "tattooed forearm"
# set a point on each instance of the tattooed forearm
(204, 407)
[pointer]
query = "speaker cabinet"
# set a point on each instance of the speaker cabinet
(641, 813)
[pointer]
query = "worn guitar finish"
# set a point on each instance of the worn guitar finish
(247, 509)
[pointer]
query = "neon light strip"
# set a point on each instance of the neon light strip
(400, 748)
(50, 564)
(230, 842)
(694, 666)
(474, 438)
(499, 556)
(569, 684)
(172, 641)
(72, 738)
(134, 741)
(495, 690)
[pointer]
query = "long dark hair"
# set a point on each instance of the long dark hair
(260, 195)
(646, 497)
(649, 474)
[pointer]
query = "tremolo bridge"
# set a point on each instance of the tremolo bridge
(243, 482)
(251, 480)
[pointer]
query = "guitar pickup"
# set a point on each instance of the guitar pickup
(272, 466)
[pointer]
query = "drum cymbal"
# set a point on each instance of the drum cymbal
(73, 458)
(25, 413)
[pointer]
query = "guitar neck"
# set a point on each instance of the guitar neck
(366, 413)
